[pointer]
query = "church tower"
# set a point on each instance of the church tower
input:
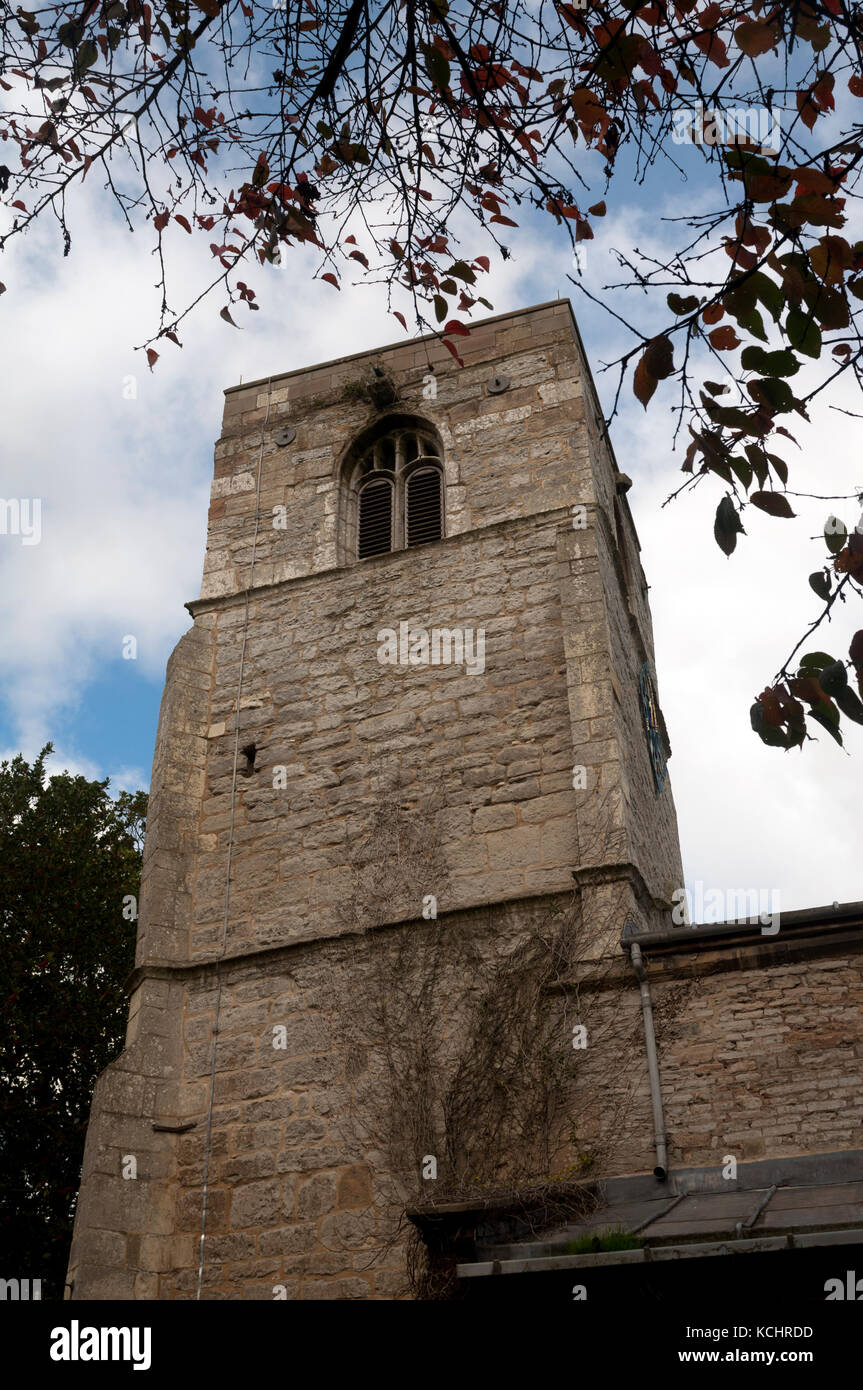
(412, 729)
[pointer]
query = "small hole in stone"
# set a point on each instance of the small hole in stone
(249, 753)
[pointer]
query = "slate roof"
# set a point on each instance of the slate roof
(773, 1205)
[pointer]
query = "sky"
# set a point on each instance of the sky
(122, 461)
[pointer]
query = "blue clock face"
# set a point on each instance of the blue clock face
(652, 726)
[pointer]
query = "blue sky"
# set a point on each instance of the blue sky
(125, 484)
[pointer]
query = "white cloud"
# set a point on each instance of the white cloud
(124, 485)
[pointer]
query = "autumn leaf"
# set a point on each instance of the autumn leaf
(659, 358)
(774, 503)
(754, 38)
(643, 383)
(452, 348)
(152, 358)
(261, 172)
(226, 315)
(724, 338)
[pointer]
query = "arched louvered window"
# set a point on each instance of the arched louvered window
(376, 519)
(393, 490)
(423, 506)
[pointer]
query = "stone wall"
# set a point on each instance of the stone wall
(760, 1046)
(300, 1184)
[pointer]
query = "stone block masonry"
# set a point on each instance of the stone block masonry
(533, 768)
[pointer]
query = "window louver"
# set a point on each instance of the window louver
(376, 525)
(424, 520)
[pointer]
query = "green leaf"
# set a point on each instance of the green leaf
(742, 470)
(835, 535)
(780, 467)
(752, 321)
(828, 717)
(803, 333)
(727, 526)
(85, 57)
(757, 458)
(679, 305)
(833, 679)
(733, 418)
(820, 582)
(436, 66)
(781, 363)
(849, 704)
(70, 32)
(775, 393)
(828, 306)
(462, 271)
(773, 736)
(769, 292)
(815, 661)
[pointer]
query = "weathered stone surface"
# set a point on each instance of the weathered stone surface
(298, 1148)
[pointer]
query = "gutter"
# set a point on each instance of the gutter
(656, 1254)
(817, 919)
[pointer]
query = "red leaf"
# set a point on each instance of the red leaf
(855, 85)
(161, 220)
(452, 349)
(183, 222)
(504, 221)
(152, 358)
(18, 204)
(724, 338)
(455, 327)
(174, 338)
(643, 383)
(598, 210)
(331, 280)
(659, 358)
(755, 38)
(401, 319)
(482, 262)
(712, 46)
(807, 109)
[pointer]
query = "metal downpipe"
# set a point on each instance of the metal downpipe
(661, 1169)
